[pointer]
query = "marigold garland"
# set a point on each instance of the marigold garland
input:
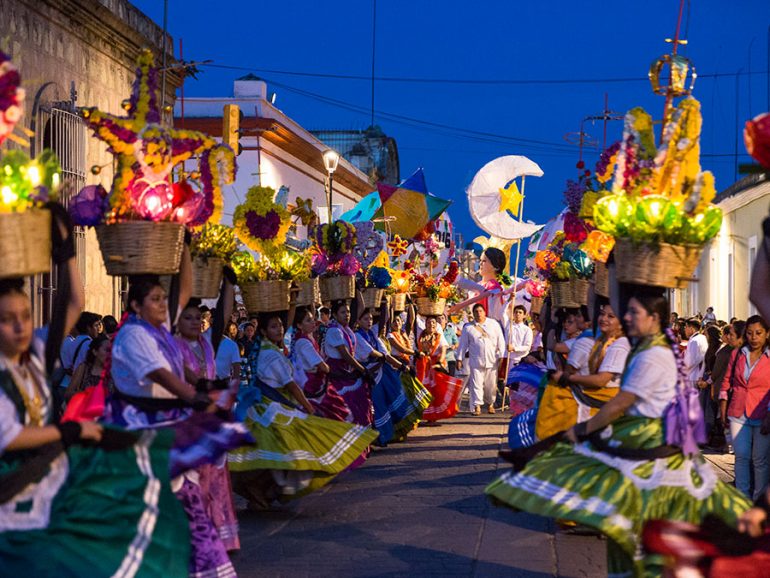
(259, 222)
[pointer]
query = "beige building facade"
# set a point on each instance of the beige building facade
(724, 271)
(72, 54)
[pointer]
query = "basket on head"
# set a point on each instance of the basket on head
(601, 279)
(207, 276)
(338, 288)
(25, 242)
(141, 247)
(265, 296)
(309, 292)
(372, 297)
(660, 265)
(563, 294)
(536, 305)
(399, 302)
(428, 308)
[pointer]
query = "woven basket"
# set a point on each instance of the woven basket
(571, 293)
(601, 279)
(337, 288)
(207, 277)
(263, 296)
(399, 302)
(25, 243)
(309, 293)
(579, 288)
(372, 297)
(536, 305)
(664, 265)
(141, 247)
(426, 307)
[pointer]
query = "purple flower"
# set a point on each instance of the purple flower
(88, 207)
(263, 227)
(573, 195)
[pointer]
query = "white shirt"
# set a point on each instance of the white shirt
(227, 355)
(334, 338)
(518, 335)
(615, 360)
(579, 354)
(484, 342)
(651, 376)
(135, 354)
(305, 359)
(274, 368)
(694, 356)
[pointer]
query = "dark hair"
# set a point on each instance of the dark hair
(714, 337)
(520, 308)
(230, 324)
(325, 311)
(754, 319)
(476, 306)
(10, 286)
(110, 324)
(300, 313)
(739, 328)
(693, 323)
(599, 302)
(496, 258)
(336, 305)
(94, 346)
(267, 316)
(653, 299)
(193, 303)
(364, 311)
(139, 287)
(86, 320)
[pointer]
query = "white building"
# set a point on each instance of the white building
(276, 151)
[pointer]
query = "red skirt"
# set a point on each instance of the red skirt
(444, 388)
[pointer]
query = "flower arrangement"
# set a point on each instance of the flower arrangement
(563, 259)
(378, 277)
(398, 246)
(25, 183)
(756, 136)
(213, 241)
(261, 223)
(283, 265)
(661, 194)
(536, 287)
(333, 250)
(146, 154)
(437, 287)
(11, 99)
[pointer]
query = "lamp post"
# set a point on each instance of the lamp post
(331, 160)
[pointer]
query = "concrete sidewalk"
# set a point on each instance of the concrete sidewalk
(416, 508)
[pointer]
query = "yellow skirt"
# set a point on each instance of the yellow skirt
(559, 410)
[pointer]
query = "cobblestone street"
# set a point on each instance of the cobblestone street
(415, 508)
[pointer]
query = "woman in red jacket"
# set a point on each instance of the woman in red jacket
(748, 377)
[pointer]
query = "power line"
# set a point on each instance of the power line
(471, 81)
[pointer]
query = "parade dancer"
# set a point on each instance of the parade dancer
(76, 499)
(214, 479)
(311, 372)
(432, 373)
(296, 451)
(622, 467)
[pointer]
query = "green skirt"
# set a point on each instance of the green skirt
(99, 513)
(615, 495)
(418, 400)
(291, 440)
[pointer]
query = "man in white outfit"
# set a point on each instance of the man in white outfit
(483, 340)
(518, 336)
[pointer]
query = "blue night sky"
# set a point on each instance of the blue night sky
(609, 44)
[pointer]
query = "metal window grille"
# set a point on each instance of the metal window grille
(58, 127)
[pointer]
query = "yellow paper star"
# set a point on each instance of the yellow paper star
(510, 198)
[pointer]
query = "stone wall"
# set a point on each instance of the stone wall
(93, 43)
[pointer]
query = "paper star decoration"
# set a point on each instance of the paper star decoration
(146, 153)
(398, 246)
(510, 199)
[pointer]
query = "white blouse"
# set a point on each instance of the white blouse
(135, 353)
(651, 376)
(274, 368)
(615, 360)
(305, 358)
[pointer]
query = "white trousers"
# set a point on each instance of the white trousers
(482, 384)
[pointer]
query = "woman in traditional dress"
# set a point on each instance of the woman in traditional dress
(68, 509)
(151, 391)
(296, 451)
(621, 467)
(591, 377)
(348, 375)
(400, 344)
(311, 371)
(89, 373)
(492, 265)
(432, 372)
(396, 410)
(214, 479)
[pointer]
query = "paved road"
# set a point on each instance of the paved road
(415, 508)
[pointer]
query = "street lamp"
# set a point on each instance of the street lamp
(331, 160)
